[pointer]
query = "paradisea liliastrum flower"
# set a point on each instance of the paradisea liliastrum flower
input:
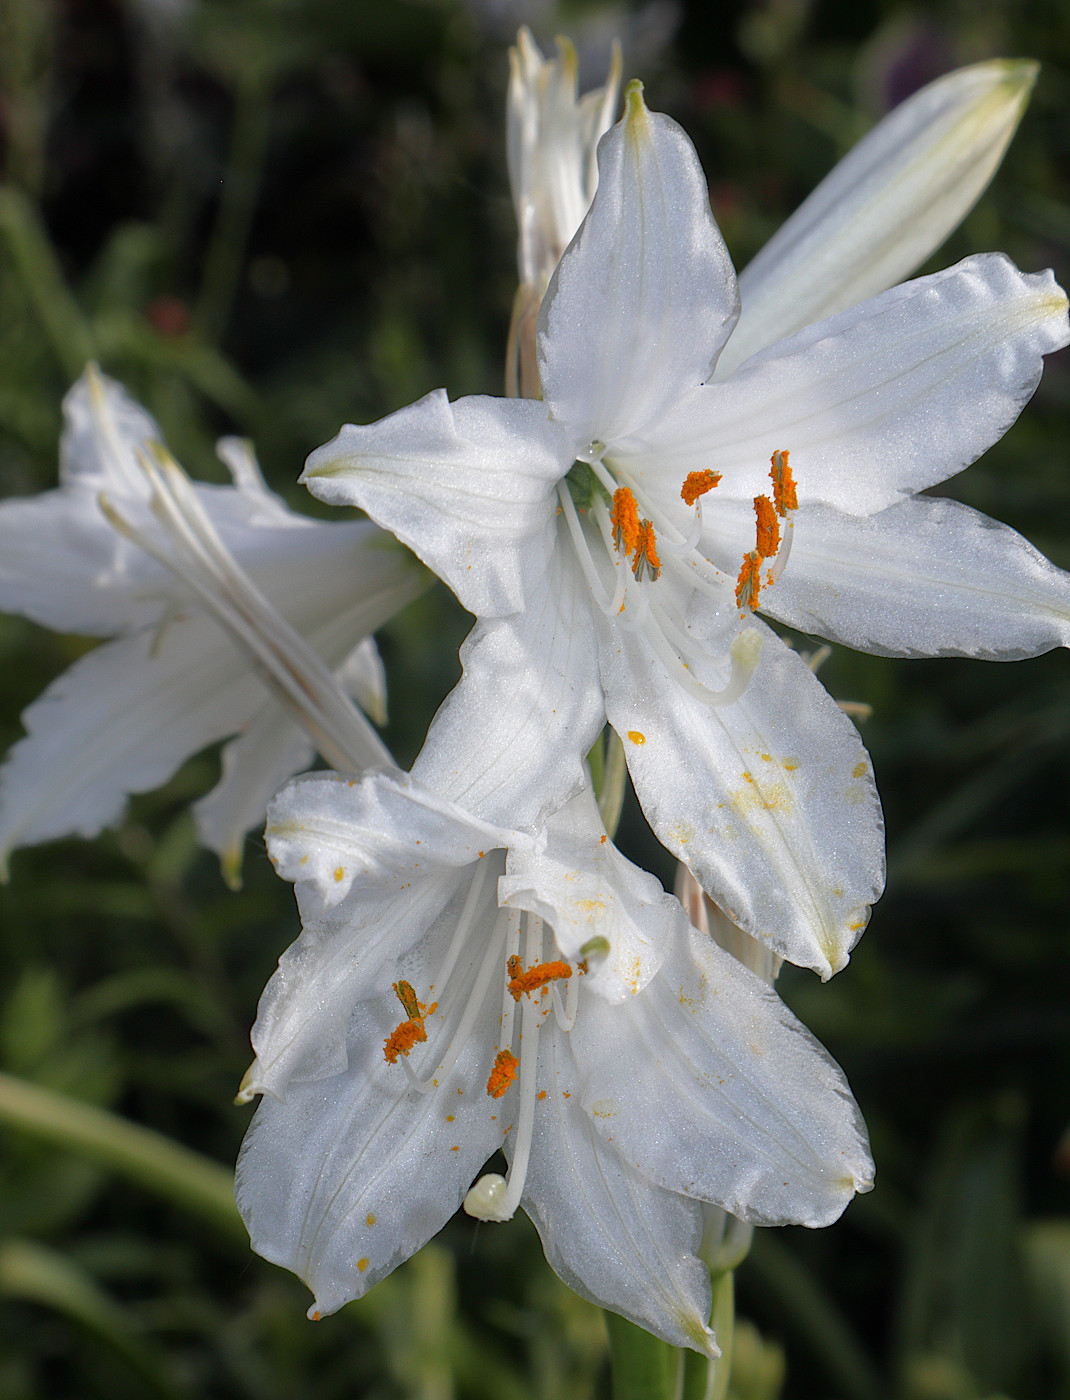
(460, 988)
(615, 538)
(124, 717)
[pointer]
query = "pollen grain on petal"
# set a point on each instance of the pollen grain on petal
(768, 527)
(696, 484)
(624, 518)
(749, 582)
(503, 1073)
(785, 497)
(535, 978)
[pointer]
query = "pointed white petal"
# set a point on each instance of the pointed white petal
(709, 1086)
(923, 578)
(887, 398)
(353, 1174)
(469, 487)
(886, 207)
(328, 831)
(103, 430)
(645, 296)
(613, 1236)
(119, 721)
(509, 742)
(770, 800)
(239, 457)
(588, 892)
(363, 676)
(272, 749)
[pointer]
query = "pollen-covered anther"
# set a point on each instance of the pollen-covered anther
(749, 583)
(768, 541)
(411, 1031)
(785, 497)
(696, 484)
(535, 978)
(624, 518)
(502, 1075)
(646, 552)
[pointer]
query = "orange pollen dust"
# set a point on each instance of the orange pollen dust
(624, 517)
(401, 1040)
(768, 527)
(785, 497)
(503, 1073)
(696, 484)
(749, 582)
(535, 977)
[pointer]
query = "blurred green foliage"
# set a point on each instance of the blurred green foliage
(277, 215)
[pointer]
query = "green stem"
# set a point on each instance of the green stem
(644, 1367)
(148, 1158)
(241, 186)
(35, 259)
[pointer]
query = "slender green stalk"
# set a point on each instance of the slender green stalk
(148, 1158)
(644, 1367)
(35, 260)
(614, 782)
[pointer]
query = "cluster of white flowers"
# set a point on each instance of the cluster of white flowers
(479, 967)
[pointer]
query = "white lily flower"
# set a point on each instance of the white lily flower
(458, 989)
(124, 717)
(614, 539)
(551, 135)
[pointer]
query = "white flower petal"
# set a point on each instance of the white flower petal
(721, 1093)
(469, 487)
(119, 721)
(613, 1236)
(888, 204)
(353, 1174)
(923, 578)
(588, 892)
(326, 830)
(363, 676)
(645, 296)
(509, 741)
(770, 801)
(887, 398)
(103, 431)
(255, 765)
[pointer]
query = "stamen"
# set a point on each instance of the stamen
(535, 978)
(768, 527)
(624, 518)
(646, 553)
(749, 582)
(401, 1040)
(405, 994)
(696, 484)
(503, 1073)
(785, 497)
(579, 540)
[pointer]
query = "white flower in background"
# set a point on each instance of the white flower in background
(124, 717)
(460, 988)
(614, 539)
(551, 135)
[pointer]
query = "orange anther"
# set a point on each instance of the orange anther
(401, 1040)
(768, 527)
(503, 1073)
(785, 497)
(646, 552)
(749, 582)
(534, 978)
(624, 517)
(696, 484)
(405, 994)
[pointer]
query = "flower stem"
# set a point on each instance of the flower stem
(139, 1154)
(644, 1367)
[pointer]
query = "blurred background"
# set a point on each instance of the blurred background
(273, 216)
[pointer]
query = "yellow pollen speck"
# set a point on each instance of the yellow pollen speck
(541, 1095)
(859, 770)
(339, 874)
(449, 1117)
(315, 1317)
(636, 737)
(370, 1218)
(455, 1148)
(362, 1264)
